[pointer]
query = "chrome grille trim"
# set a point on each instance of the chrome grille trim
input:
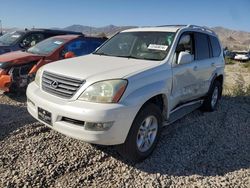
(65, 87)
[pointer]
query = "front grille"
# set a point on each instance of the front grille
(61, 86)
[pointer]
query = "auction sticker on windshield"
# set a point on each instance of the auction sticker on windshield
(58, 42)
(15, 36)
(157, 47)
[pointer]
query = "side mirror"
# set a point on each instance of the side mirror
(184, 57)
(69, 55)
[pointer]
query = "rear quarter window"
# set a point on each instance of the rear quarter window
(216, 48)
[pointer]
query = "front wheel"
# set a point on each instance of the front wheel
(143, 135)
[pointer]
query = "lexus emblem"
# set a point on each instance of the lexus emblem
(54, 84)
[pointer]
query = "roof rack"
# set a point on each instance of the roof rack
(202, 28)
(171, 25)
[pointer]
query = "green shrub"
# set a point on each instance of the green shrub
(229, 61)
(247, 65)
(241, 89)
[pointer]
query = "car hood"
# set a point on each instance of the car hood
(18, 57)
(4, 49)
(99, 67)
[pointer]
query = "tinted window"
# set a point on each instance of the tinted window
(11, 38)
(201, 46)
(78, 47)
(216, 49)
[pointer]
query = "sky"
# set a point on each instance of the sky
(232, 14)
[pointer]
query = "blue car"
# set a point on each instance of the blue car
(24, 39)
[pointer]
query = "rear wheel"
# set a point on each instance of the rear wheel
(211, 101)
(143, 135)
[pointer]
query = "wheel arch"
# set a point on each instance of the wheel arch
(160, 100)
(219, 78)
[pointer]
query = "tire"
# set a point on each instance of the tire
(150, 115)
(211, 100)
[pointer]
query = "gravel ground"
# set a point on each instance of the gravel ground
(200, 150)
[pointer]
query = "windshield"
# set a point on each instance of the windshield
(47, 46)
(11, 38)
(139, 45)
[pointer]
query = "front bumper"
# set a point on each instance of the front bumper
(121, 115)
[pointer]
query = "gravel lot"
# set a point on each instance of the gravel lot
(200, 150)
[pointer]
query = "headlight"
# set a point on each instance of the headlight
(108, 91)
(38, 77)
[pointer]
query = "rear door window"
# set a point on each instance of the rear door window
(201, 46)
(78, 47)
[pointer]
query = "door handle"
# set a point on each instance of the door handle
(212, 64)
(195, 68)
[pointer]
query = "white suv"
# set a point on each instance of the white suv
(128, 89)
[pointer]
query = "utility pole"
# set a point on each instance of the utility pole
(1, 28)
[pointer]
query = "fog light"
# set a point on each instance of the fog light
(30, 101)
(101, 126)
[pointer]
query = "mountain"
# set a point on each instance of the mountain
(234, 40)
(109, 30)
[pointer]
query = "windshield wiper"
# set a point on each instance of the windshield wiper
(126, 56)
(134, 57)
(152, 59)
(101, 53)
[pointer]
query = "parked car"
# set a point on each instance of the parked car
(24, 39)
(18, 68)
(125, 92)
(241, 55)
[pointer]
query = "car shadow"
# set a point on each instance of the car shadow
(13, 117)
(206, 144)
(18, 96)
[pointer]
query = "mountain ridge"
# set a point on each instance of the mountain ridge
(232, 39)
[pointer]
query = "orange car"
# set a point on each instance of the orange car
(18, 68)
